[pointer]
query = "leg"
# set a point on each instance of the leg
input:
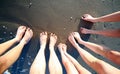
(99, 49)
(98, 65)
(79, 68)
(39, 64)
(54, 64)
(109, 33)
(12, 55)
(4, 46)
(113, 17)
(70, 68)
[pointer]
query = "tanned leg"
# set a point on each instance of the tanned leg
(12, 55)
(113, 17)
(100, 49)
(98, 65)
(6, 45)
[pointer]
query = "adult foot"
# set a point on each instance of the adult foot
(84, 30)
(76, 35)
(53, 40)
(43, 38)
(72, 40)
(28, 35)
(62, 47)
(88, 17)
(20, 33)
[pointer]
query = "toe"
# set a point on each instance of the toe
(41, 33)
(45, 33)
(28, 29)
(55, 36)
(51, 34)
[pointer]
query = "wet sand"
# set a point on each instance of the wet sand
(58, 16)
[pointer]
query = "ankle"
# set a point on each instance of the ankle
(23, 42)
(51, 47)
(43, 46)
(16, 40)
(96, 20)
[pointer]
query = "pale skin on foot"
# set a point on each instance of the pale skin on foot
(98, 65)
(7, 59)
(71, 65)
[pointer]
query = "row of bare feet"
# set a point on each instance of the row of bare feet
(27, 33)
(24, 35)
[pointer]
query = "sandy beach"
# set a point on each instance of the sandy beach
(60, 17)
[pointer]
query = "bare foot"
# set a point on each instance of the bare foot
(84, 30)
(88, 17)
(53, 40)
(20, 33)
(28, 35)
(76, 35)
(43, 38)
(72, 40)
(62, 47)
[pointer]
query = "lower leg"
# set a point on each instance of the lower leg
(6, 45)
(70, 68)
(11, 56)
(79, 68)
(98, 65)
(39, 64)
(54, 64)
(100, 49)
(109, 33)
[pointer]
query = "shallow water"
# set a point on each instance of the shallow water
(58, 16)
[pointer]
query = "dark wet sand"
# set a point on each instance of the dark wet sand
(57, 16)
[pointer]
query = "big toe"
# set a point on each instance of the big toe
(53, 35)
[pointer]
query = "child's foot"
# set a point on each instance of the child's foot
(20, 33)
(53, 40)
(43, 38)
(84, 30)
(28, 35)
(62, 47)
